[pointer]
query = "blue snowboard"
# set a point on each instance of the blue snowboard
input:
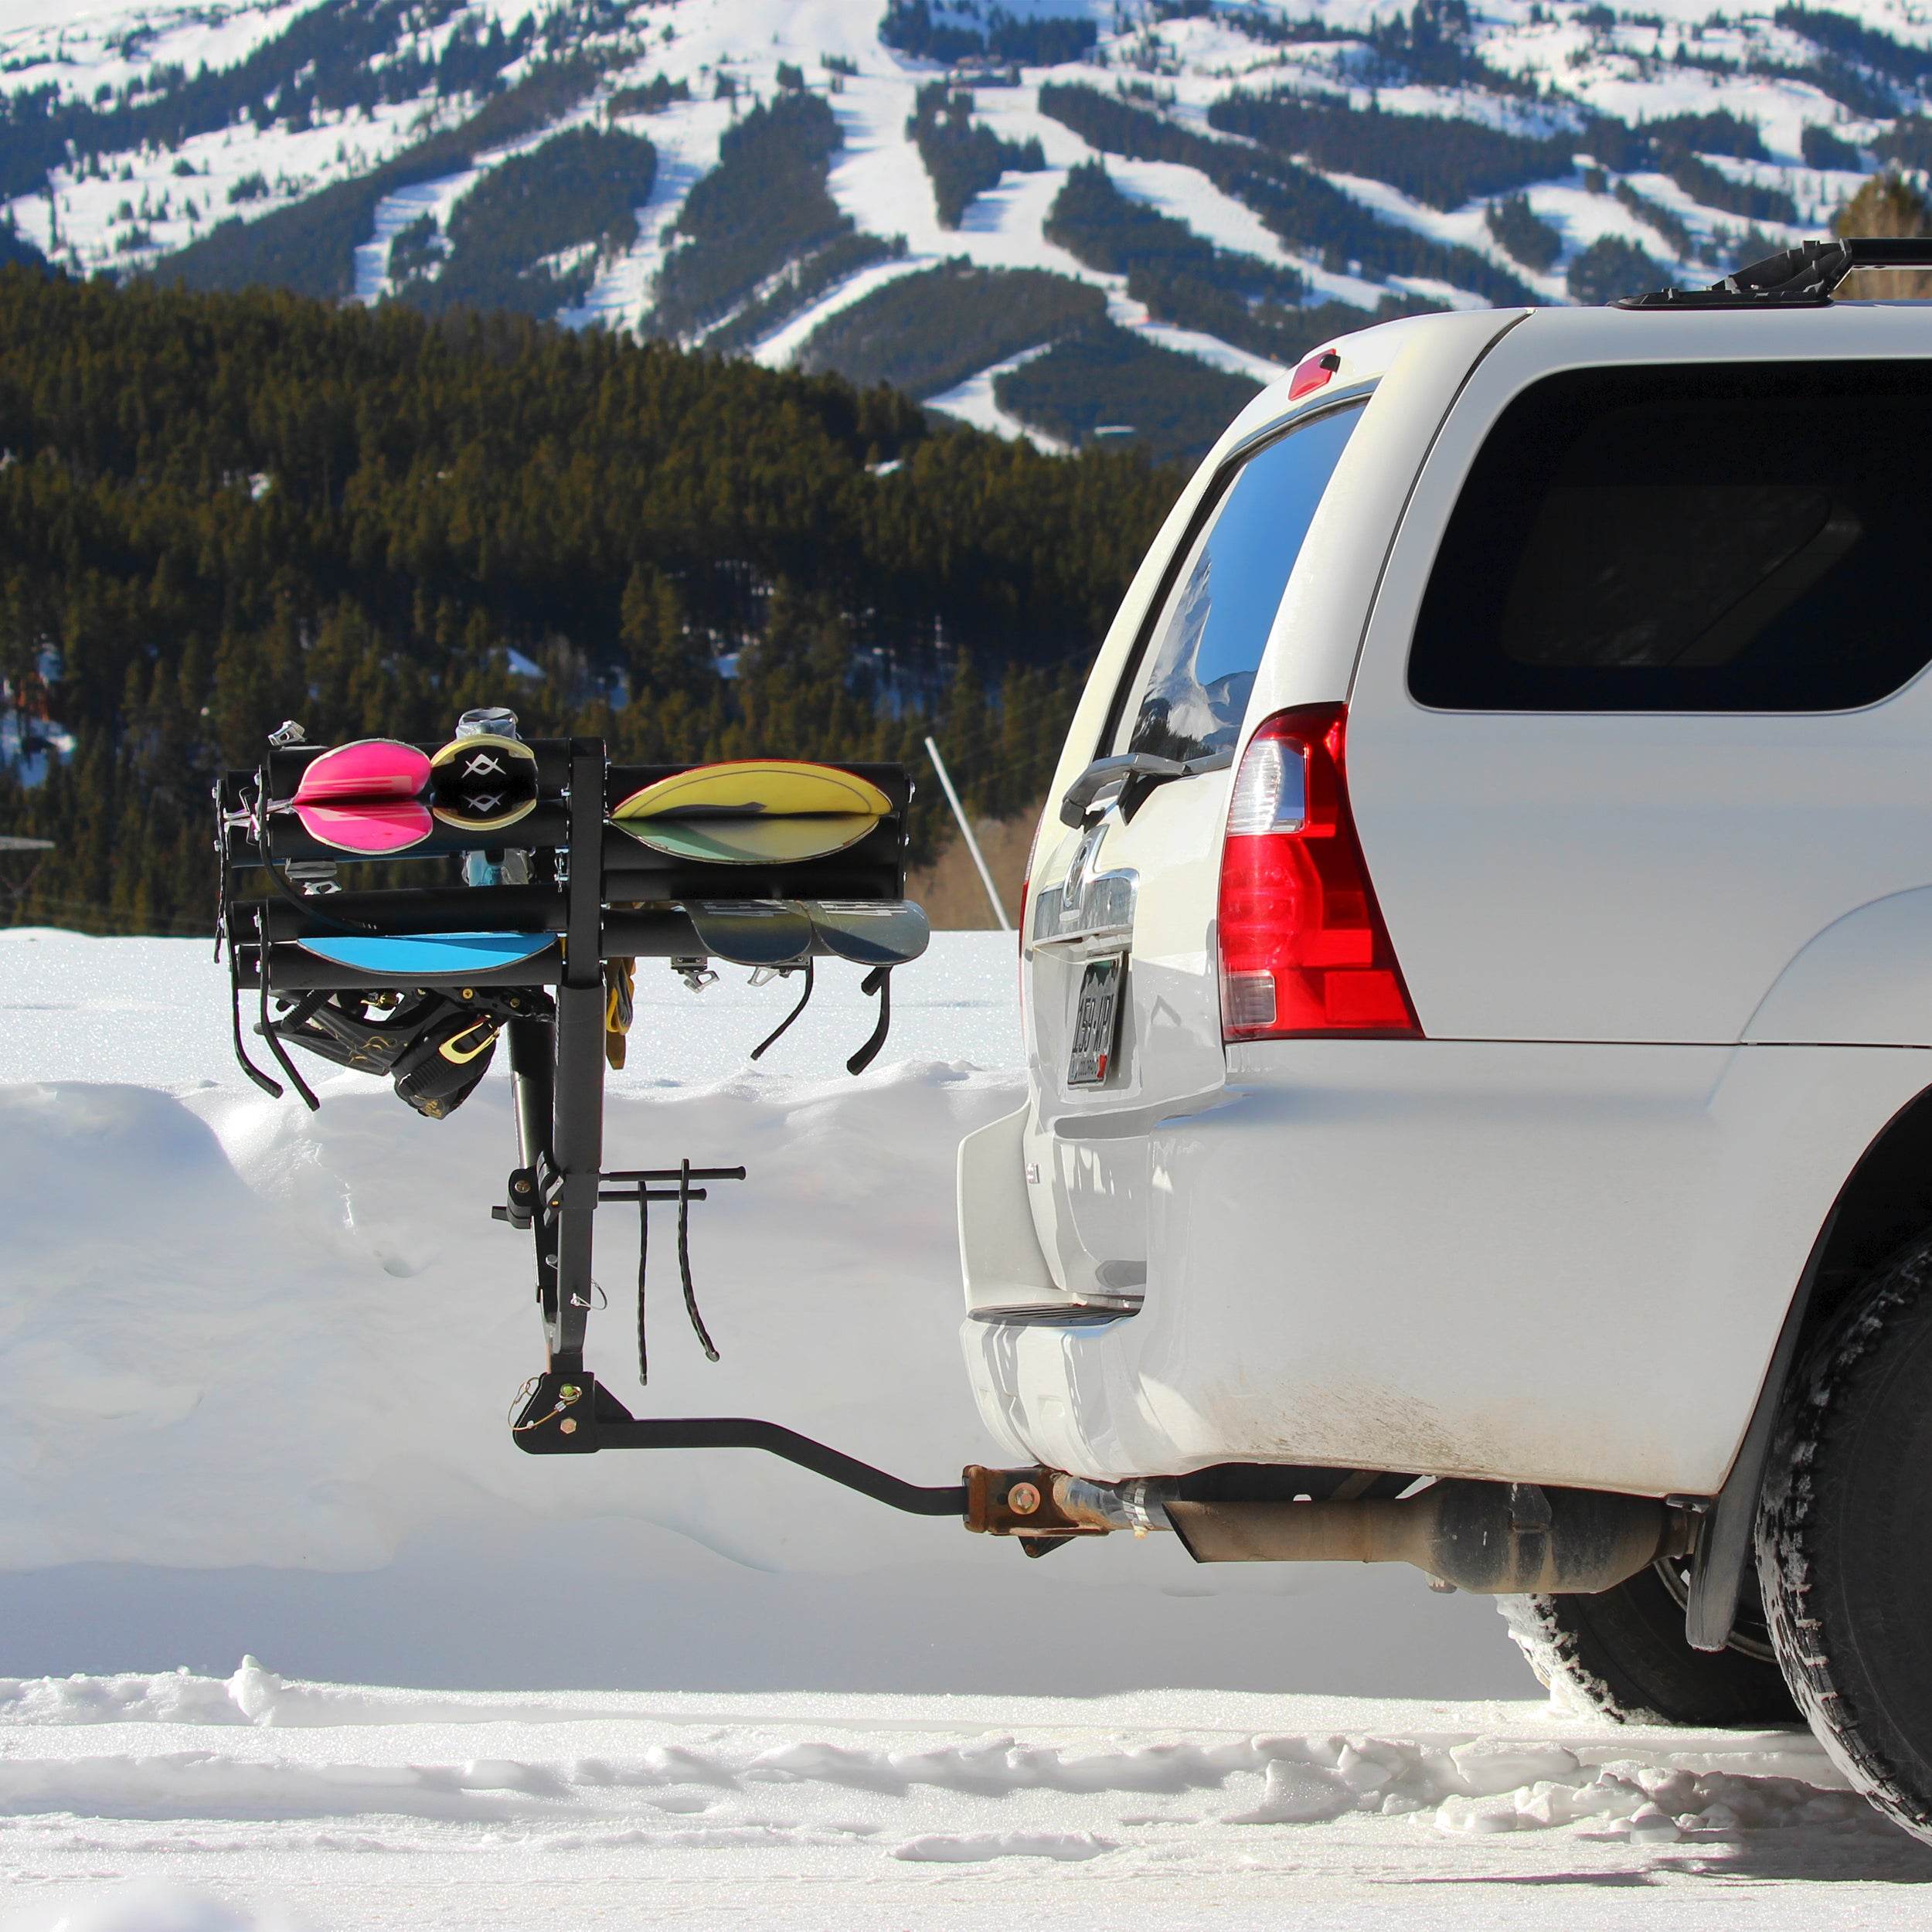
(426, 956)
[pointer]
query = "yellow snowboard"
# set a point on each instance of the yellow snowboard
(754, 812)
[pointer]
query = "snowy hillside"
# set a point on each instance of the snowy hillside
(789, 179)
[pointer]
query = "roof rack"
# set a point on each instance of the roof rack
(1800, 278)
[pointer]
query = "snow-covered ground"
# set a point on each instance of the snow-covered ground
(254, 1364)
(183, 1803)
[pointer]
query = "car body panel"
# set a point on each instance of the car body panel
(1866, 980)
(1000, 1256)
(1611, 876)
(1563, 1264)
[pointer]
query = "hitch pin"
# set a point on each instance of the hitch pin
(567, 1394)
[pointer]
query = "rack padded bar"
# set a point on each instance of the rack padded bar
(652, 932)
(284, 764)
(543, 830)
(873, 869)
(439, 909)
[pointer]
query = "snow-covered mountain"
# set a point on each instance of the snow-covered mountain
(1197, 190)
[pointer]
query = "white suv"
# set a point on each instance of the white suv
(1477, 992)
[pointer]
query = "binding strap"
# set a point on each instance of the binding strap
(684, 1267)
(879, 981)
(784, 1026)
(225, 915)
(644, 1254)
(272, 1088)
(684, 1263)
(267, 1029)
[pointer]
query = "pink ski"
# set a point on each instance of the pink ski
(370, 830)
(368, 769)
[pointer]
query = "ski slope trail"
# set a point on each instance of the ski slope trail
(186, 1804)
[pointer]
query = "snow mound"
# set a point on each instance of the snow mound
(252, 1695)
(130, 1698)
(975, 1848)
(257, 1397)
(240, 1316)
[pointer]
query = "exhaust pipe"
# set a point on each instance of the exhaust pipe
(1501, 1539)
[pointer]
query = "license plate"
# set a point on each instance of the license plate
(1097, 1021)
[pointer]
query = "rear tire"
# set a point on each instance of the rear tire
(1842, 1550)
(1623, 1654)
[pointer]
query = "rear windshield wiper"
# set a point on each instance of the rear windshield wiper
(1136, 772)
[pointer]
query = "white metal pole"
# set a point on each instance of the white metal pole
(966, 831)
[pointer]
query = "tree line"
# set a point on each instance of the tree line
(222, 510)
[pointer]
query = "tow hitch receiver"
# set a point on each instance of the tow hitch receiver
(1023, 1503)
(1489, 1537)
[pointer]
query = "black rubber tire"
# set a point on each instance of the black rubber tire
(1624, 1653)
(1844, 1556)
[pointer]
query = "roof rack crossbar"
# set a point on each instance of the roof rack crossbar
(1802, 277)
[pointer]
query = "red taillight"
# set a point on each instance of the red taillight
(1303, 947)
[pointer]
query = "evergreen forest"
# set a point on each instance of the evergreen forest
(923, 333)
(224, 510)
(764, 209)
(963, 157)
(1297, 204)
(1185, 279)
(310, 245)
(503, 237)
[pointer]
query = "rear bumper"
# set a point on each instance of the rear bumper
(1000, 1260)
(1559, 1264)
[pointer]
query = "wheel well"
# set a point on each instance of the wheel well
(1887, 1200)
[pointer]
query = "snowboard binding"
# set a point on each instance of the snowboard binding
(535, 876)
(434, 1049)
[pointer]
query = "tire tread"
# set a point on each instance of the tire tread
(1820, 1405)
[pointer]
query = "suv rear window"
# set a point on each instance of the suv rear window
(1702, 537)
(1211, 625)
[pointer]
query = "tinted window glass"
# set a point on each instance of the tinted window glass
(1205, 642)
(1688, 538)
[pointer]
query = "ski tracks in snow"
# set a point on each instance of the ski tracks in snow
(267, 1804)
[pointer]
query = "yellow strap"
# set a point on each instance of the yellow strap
(458, 1054)
(620, 981)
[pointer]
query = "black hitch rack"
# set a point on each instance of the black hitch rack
(597, 897)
